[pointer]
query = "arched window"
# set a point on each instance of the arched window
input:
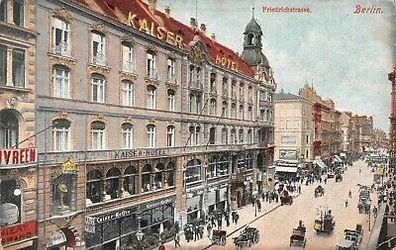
(225, 87)
(224, 136)
(113, 183)
(128, 93)
(98, 135)
(61, 81)
(158, 176)
(94, 186)
(146, 178)
(233, 138)
(151, 97)
(193, 171)
(130, 180)
(250, 136)
(61, 37)
(9, 128)
(250, 113)
(213, 82)
(127, 135)
(250, 37)
(224, 109)
(151, 136)
(61, 135)
(213, 105)
(241, 112)
(98, 88)
(240, 136)
(170, 174)
(170, 136)
(233, 110)
(212, 135)
(171, 100)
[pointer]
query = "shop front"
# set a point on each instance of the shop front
(217, 198)
(194, 202)
(117, 230)
(241, 192)
(20, 236)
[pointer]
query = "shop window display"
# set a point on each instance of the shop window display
(130, 180)
(113, 183)
(94, 186)
(146, 178)
(10, 202)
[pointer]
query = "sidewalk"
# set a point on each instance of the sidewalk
(246, 216)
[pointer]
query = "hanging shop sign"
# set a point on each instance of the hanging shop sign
(158, 203)
(9, 214)
(152, 29)
(19, 232)
(16, 156)
(57, 239)
(69, 167)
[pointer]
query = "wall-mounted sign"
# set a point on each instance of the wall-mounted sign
(287, 154)
(154, 30)
(226, 62)
(15, 156)
(89, 224)
(18, 232)
(158, 203)
(56, 239)
(69, 167)
(288, 139)
(139, 153)
(114, 216)
(9, 214)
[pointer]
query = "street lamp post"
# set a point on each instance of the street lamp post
(139, 234)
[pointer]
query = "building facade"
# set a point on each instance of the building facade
(153, 123)
(294, 131)
(18, 155)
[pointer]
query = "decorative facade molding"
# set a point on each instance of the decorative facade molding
(100, 27)
(13, 101)
(62, 13)
(102, 70)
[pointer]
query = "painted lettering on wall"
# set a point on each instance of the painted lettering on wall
(139, 153)
(154, 30)
(18, 156)
(18, 232)
(226, 62)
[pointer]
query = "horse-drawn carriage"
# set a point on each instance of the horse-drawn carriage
(338, 177)
(297, 239)
(248, 237)
(286, 198)
(219, 237)
(325, 223)
(319, 191)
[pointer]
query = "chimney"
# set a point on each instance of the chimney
(203, 27)
(151, 5)
(193, 22)
(167, 11)
(213, 36)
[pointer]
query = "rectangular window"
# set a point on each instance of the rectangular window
(3, 11)
(18, 12)
(98, 90)
(127, 56)
(61, 139)
(127, 137)
(170, 137)
(97, 139)
(61, 83)
(171, 101)
(128, 94)
(171, 71)
(3, 65)
(151, 136)
(98, 49)
(18, 68)
(151, 66)
(61, 37)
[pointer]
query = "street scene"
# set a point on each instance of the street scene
(185, 124)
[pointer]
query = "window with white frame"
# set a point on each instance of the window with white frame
(198, 104)
(61, 37)
(170, 136)
(213, 106)
(171, 69)
(128, 57)
(194, 135)
(18, 12)
(224, 109)
(151, 136)
(98, 48)
(241, 112)
(233, 138)
(98, 135)
(98, 88)
(192, 103)
(9, 128)
(224, 136)
(151, 97)
(171, 100)
(151, 65)
(128, 93)
(127, 135)
(61, 135)
(250, 112)
(213, 82)
(233, 110)
(240, 136)
(249, 136)
(18, 67)
(61, 81)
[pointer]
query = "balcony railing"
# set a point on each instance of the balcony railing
(128, 67)
(171, 79)
(99, 59)
(195, 85)
(130, 154)
(62, 49)
(152, 75)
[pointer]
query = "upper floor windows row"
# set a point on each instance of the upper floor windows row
(12, 11)
(12, 66)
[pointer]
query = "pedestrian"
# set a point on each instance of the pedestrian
(219, 223)
(236, 218)
(227, 218)
(162, 246)
(346, 202)
(299, 189)
(209, 228)
(177, 240)
(325, 180)
(375, 211)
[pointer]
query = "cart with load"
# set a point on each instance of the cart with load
(297, 239)
(325, 223)
(352, 239)
(319, 191)
(219, 237)
(248, 237)
(286, 198)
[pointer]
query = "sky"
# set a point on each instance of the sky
(345, 56)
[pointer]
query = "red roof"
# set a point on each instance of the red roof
(140, 9)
